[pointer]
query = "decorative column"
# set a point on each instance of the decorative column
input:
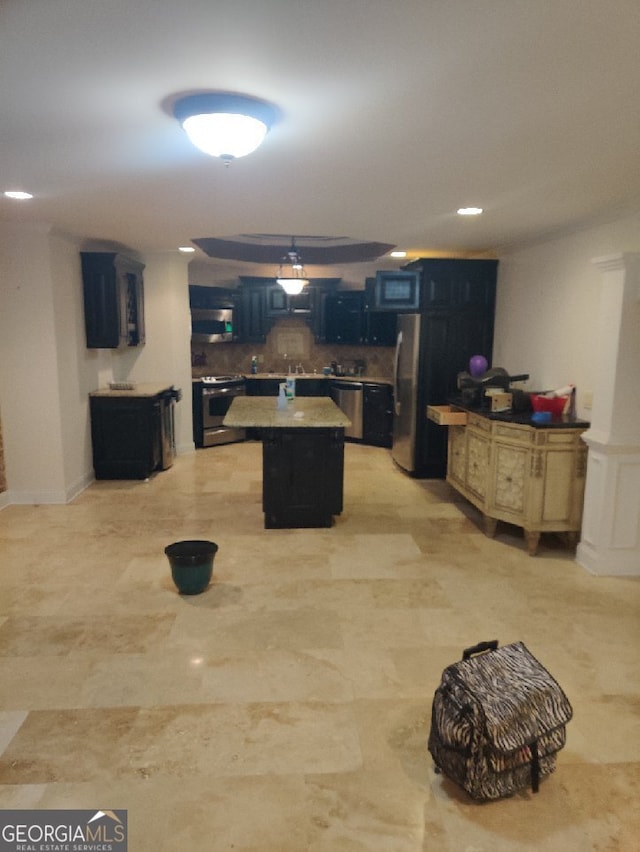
(610, 542)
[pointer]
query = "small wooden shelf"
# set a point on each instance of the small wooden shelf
(445, 415)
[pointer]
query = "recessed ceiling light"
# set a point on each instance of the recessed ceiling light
(397, 254)
(469, 211)
(186, 249)
(17, 194)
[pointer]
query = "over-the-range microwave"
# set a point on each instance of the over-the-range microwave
(396, 291)
(211, 325)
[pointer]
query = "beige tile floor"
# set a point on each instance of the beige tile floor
(287, 707)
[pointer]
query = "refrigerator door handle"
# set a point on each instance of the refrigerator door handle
(396, 395)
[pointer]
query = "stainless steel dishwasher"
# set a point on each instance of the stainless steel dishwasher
(349, 397)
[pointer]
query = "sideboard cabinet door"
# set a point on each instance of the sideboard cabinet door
(531, 477)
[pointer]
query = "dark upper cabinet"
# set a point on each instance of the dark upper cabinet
(347, 318)
(277, 301)
(260, 302)
(457, 284)
(280, 304)
(252, 323)
(306, 304)
(458, 305)
(203, 298)
(113, 300)
(343, 320)
(379, 326)
(459, 299)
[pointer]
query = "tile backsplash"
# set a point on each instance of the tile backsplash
(290, 342)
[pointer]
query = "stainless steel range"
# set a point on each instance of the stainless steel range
(212, 396)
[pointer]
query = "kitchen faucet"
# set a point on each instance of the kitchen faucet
(299, 369)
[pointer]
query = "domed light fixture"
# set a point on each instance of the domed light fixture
(291, 275)
(223, 124)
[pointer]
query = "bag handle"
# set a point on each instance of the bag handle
(480, 648)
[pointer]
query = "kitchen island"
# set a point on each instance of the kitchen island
(302, 457)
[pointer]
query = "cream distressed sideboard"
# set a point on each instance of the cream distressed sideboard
(526, 475)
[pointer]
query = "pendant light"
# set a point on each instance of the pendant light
(223, 124)
(291, 276)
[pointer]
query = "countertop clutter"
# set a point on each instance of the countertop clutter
(142, 389)
(524, 418)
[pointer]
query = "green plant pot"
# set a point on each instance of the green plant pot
(191, 565)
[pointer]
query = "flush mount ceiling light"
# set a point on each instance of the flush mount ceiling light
(223, 124)
(469, 211)
(291, 276)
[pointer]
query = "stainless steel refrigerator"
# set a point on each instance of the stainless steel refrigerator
(406, 392)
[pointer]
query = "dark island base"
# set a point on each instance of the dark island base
(302, 477)
(297, 520)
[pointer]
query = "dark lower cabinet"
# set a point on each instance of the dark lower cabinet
(312, 387)
(126, 433)
(377, 419)
(302, 476)
(304, 387)
(263, 387)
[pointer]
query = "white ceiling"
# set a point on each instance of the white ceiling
(394, 114)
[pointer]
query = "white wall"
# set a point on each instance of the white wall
(47, 373)
(77, 367)
(166, 355)
(561, 320)
(548, 306)
(29, 380)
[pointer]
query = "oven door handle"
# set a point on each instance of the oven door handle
(218, 391)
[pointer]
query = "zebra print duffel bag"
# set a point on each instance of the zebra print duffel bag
(498, 719)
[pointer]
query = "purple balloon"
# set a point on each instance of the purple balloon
(478, 365)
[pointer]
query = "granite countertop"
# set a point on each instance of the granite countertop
(281, 377)
(522, 418)
(141, 389)
(310, 412)
(375, 380)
